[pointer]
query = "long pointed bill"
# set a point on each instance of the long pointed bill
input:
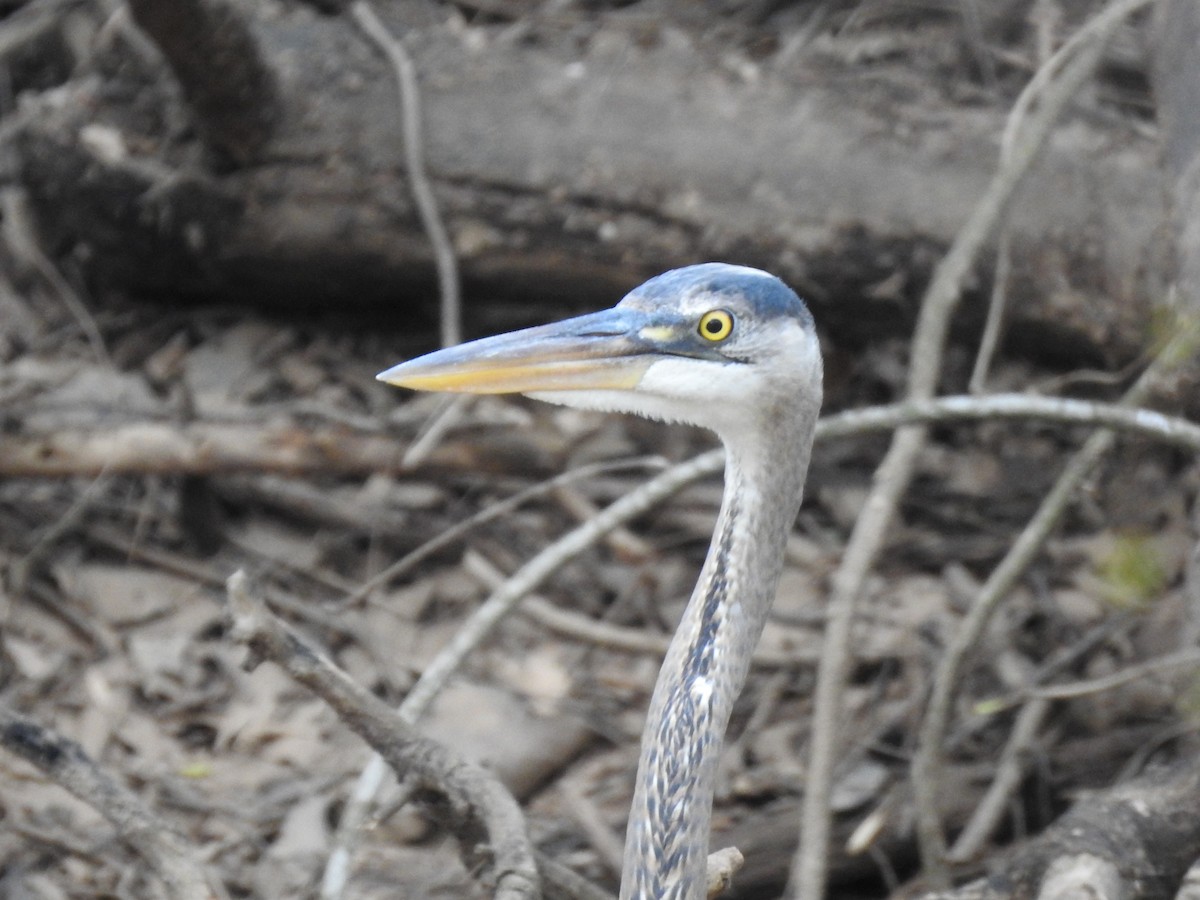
(603, 350)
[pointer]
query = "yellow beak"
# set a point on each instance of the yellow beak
(603, 350)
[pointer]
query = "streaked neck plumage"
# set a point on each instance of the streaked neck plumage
(666, 846)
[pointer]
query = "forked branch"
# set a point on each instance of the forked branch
(472, 802)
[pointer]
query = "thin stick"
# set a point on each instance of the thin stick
(217, 448)
(540, 567)
(480, 625)
(1135, 420)
(1012, 129)
(994, 324)
(638, 640)
(449, 286)
(927, 758)
(1180, 659)
(410, 560)
(414, 160)
(566, 884)
(1096, 29)
(65, 763)
(604, 841)
(478, 809)
(444, 418)
(893, 475)
(1009, 772)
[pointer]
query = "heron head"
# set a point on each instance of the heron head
(714, 345)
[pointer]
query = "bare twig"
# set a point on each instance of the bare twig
(414, 160)
(626, 545)
(435, 428)
(545, 563)
(482, 814)
(445, 258)
(1012, 130)
(1096, 30)
(566, 883)
(1181, 659)
(722, 866)
(894, 473)
(1009, 774)
(501, 602)
(927, 759)
(637, 640)
(1013, 761)
(64, 762)
(218, 448)
(1135, 420)
(809, 868)
(502, 508)
(603, 840)
(993, 326)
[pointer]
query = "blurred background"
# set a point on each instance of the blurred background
(212, 236)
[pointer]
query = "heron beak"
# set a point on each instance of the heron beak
(604, 350)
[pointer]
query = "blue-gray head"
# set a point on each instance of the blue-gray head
(714, 345)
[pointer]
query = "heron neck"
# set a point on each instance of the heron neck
(706, 665)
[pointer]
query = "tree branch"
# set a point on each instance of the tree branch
(1135, 840)
(477, 808)
(927, 758)
(895, 472)
(64, 762)
(215, 448)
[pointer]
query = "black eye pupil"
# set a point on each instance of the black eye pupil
(713, 327)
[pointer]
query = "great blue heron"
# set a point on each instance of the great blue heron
(731, 349)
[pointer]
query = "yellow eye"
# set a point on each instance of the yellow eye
(716, 325)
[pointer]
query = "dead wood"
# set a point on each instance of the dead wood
(768, 837)
(481, 814)
(210, 448)
(66, 763)
(291, 447)
(571, 167)
(1134, 840)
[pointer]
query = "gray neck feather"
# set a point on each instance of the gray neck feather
(666, 847)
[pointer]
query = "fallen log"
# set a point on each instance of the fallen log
(570, 168)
